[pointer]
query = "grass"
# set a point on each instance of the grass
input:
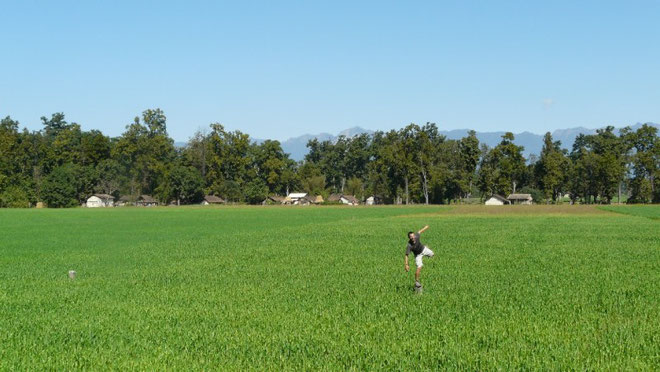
(270, 288)
(648, 211)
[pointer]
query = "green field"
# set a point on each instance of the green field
(271, 288)
(648, 211)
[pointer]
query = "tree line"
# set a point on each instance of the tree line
(61, 165)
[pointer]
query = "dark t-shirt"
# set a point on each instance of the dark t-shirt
(416, 248)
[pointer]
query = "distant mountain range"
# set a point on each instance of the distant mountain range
(296, 147)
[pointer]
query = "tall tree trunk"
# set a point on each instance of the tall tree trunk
(514, 187)
(407, 198)
(652, 184)
(426, 188)
(619, 201)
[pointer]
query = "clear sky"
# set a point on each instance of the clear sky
(281, 69)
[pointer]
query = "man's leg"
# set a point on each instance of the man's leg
(427, 252)
(419, 263)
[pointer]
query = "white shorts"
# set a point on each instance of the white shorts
(426, 252)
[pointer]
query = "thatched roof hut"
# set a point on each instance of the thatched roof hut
(146, 201)
(273, 199)
(212, 199)
(497, 200)
(520, 198)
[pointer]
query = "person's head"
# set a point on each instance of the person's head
(411, 236)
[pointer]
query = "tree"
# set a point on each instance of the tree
(59, 190)
(256, 191)
(315, 185)
(399, 158)
(425, 145)
(54, 125)
(470, 154)
(14, 197)
(551, 168)
(110, 177)
(502, 168)
(645, 162)
(145, 152)
(9, 147)
(271, 164)
(185, 184)
(355, 187)
(229, 161)
(197, 153)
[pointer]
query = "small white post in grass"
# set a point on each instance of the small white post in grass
(72, 274)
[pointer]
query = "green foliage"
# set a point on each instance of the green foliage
(230, 190)
(355, 187)
(552, 170)
(59, 189)
(537, 195)
(315, 185)
(414, 164)
(287, 288)
(14, 197)
(184, 185)
(503, 168)
(256, 191)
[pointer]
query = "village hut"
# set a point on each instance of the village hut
(273, 200)
(344, 199)
(497, 200)
(124, 200)
(373, 200)
(307, 200)
(349, 200)
(100, 201)
(520, 198)
(212, 199)
(334, 198)
(146, 201)
(294, 197)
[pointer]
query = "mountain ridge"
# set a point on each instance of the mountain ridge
(296, 147)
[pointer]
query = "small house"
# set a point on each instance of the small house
(520, 198)
(124, 200)
(146, 201)
(373, 200)
(334, 198)
(349, 200)
(273, 200)
(100, 201)
(212, 199)
(497, 200)
(294, 197)
(310, 199)
(344, 199)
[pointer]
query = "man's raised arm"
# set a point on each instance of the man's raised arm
(424, 229)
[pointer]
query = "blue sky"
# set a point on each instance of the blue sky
(281, 69)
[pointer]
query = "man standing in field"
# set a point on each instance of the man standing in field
(419, 250)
